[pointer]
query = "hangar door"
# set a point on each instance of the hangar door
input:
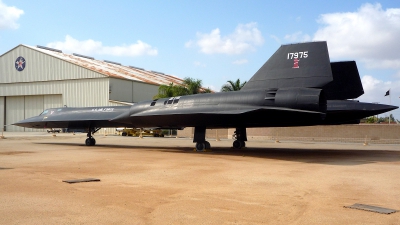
(22, 107)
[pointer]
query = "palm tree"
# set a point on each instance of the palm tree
(193, 86)
(232, 86)
(166, 91)
(189, 86)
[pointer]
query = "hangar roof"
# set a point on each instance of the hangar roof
(112, 69)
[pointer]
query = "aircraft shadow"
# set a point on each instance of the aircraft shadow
(5, 168)
(342, 157)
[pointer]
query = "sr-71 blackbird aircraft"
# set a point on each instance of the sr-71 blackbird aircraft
(297, 86)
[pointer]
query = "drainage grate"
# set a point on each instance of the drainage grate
(81, 180)
(371, 208)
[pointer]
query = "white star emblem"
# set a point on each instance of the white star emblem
(20, 63)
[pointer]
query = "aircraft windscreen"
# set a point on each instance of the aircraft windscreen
(44, 112)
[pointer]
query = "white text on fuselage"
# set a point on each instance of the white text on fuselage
(103, 109)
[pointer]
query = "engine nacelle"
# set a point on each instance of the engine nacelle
(310, 99)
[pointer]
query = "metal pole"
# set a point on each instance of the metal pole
(390, 102)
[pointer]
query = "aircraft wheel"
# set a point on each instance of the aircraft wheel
(238, 144)
(124, 134)
(207, 145)
(92, 141)
(200, 146)
(88, 142)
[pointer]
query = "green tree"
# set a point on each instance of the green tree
(165, 91)
(371, 119)
(233, 86)
(386, 119)
(189, 86)
(192, 86)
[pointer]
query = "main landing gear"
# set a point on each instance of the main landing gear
(200, 139)
(239, 136)
(90, 141)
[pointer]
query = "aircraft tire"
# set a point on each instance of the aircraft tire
(238, 144)
(207, 145)
(200, 146)
(92, 142)
(124, 134)
(88, 142)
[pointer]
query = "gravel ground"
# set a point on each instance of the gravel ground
(163, 181)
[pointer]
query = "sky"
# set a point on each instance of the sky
(214, 41)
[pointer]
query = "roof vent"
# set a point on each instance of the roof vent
(134, 67)
(83, 56)
(157, 72)
(112, 62)
(47, 48)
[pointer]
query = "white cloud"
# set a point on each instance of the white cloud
(96, 47)
(297, 37)
(275, 38)
(375, 89)
(9, 16)
(199, 64)
(240, 62)
(189, 44)
(245, 38)
(371, 34)
(397, 74)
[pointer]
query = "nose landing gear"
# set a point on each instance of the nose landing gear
(90, 141)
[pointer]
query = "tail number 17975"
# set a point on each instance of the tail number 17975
(296, 55)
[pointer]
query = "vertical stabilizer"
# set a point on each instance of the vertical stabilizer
(295, 65)
(346, 82)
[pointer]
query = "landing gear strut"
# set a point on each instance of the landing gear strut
(240, 137)
(200, 139)
(90, 141)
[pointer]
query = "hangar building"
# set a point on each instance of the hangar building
(36, 78)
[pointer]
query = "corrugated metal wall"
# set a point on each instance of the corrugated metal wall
(23, 107)
(2, 113)
(15, 111)
(39, 67)
(75, 93)
(52, 101)
(142, 91)
(33, 107)
(121, 90)
(54, 83)
(131, 91)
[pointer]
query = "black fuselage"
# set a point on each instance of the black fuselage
(256, 108)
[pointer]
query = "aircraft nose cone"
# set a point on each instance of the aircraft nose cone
(27, 122)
